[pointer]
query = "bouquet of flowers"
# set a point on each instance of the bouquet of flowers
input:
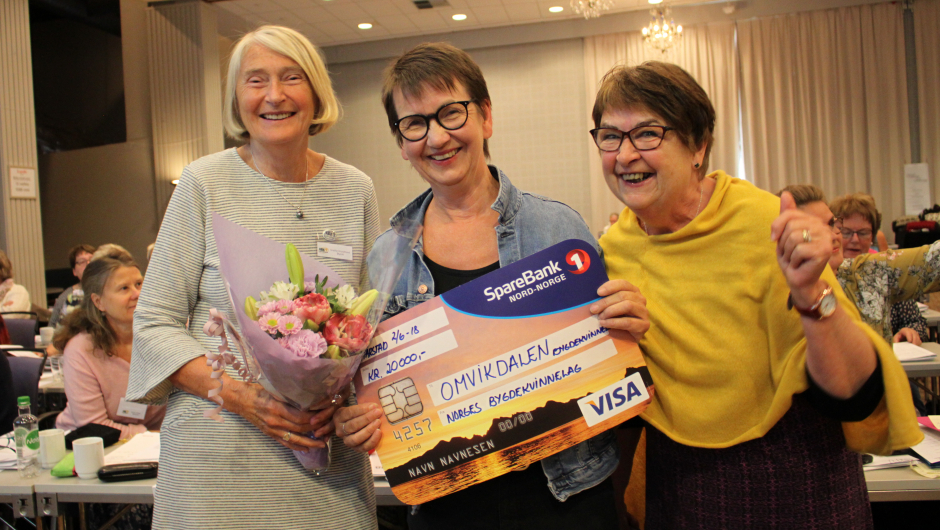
(303, 337)
(310, 319)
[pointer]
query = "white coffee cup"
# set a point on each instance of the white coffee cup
(51, 447)
(89, 456)
(45, 335)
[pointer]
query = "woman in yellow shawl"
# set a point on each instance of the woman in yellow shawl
(766, 378)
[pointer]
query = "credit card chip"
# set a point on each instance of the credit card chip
(400, 400)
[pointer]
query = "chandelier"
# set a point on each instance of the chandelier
(662, 32)
(591, 8)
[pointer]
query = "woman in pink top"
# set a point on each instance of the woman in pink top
(96, 339)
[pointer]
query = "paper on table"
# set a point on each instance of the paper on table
(884, 462)
(145, 447)
(377, 470)
(931, 422)
(905, 351)
(929, 449)
(7, 451)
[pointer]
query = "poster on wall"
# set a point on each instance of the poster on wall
(22, 183)
(498, 374)
(916, 188)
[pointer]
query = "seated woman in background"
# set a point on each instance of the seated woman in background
(96, 339)
(13, 297)
(886, 290)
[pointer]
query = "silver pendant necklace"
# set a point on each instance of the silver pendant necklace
(300, 211)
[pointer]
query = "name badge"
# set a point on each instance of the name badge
(129, 409)
(332, 250)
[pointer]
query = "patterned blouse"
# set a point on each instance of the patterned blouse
(875, 282)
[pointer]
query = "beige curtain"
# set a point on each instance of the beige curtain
(706, 52)
(927, 34)
(824, 101)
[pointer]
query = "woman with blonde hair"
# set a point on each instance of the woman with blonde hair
(278, 94)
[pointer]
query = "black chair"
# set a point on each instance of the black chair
(26, 373)
(22, 330)
(7, 396)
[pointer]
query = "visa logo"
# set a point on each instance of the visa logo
(613, 399)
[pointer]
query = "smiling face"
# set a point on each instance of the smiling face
(821, 211)
(447, 158)
(651, 183)
(118, 300)
(856, 244)
(275, 101)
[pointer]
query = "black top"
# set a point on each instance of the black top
(446, 279)
(857, 407)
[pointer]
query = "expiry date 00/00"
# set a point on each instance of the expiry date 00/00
(519, 419)
(407, 433)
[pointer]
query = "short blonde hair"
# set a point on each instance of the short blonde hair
(297, 48)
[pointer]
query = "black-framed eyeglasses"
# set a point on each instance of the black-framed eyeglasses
(451, 116)
(644, 138)
(864, 233)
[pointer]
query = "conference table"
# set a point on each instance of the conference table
(43, 495)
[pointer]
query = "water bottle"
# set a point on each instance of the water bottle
(26, 433)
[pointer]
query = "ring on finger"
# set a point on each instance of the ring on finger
(342, 427)
(806, 237)
(286, 436)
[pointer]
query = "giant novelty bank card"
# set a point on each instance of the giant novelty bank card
(498, 374)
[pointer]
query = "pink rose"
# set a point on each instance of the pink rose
(352, 333)
(313, 307)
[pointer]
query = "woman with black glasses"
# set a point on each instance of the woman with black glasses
(755, 351)
(476, 221)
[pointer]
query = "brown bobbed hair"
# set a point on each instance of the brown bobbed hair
(804, 194)
(666, 90)
(432, 65)
(78, 249)
(6, 267)
(857, 204)
(86, 317)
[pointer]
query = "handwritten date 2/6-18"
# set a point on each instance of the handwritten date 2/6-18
(406, 432)
(398, 336)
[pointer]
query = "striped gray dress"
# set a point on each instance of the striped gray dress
(230, 475)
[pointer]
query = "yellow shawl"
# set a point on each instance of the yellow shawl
(724, 352)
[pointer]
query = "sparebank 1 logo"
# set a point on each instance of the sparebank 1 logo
(613, 399)
(580, 259)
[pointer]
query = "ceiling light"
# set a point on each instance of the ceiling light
(459, 16)
(656, 1)
(591, 8)
(662, 33)
(556, 9)
(365, 25)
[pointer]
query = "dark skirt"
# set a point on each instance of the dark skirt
(519, 500)
(799, 475)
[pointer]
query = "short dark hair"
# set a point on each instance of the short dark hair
(666, 90)
(78, 249)
(435, 65)
(804, 194)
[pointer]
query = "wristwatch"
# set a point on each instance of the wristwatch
(824, 306)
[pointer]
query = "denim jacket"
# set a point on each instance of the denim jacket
(528, 223)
